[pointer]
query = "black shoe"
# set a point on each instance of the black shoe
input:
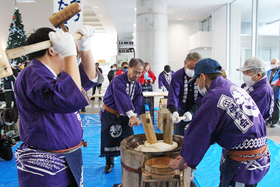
(108, 168)
(100, 98)
(83, 110)
(93, 98)
(272, 125)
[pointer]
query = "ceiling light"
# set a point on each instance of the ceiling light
(133, 34)
(100, 15)
(135, 9)
(134, 25)
(27, 1)
(205, 48)
(95, 7)
(180, 18)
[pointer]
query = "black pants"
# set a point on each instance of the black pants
(9, 97)
(275, 115)
(94, 88)
(5, 150)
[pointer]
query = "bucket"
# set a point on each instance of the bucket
(133, 162)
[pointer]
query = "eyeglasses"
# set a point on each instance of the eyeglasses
(136, 72)
(247, 72)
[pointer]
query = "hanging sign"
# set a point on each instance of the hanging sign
(77, 20)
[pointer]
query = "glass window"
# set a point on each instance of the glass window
(207, 24)
(240, 37)
(268, 29)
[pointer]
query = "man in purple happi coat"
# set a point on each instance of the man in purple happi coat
(49, 94)
(257, 85)
(165, 78)
(230, 117)
(123, 100)
(182, 94)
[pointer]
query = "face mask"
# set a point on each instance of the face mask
(114, 68)
(8, 124)
(248, 80)
(273, 66)
(167, 73)
(189, 72)
(124, 69)
(203, 91)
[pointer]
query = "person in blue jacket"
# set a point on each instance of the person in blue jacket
(273, 78)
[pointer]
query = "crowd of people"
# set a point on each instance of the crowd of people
(52, 89)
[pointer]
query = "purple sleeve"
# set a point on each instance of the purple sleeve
(138, 102)
(174, 91)
(263, 99)
(59, 96)
(198, 136)
(160, 80)
(122, 99)
(86, 82)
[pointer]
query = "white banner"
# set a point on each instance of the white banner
(77, 20)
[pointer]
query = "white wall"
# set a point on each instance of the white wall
(178, 41)
(219, 36)
(34, 16)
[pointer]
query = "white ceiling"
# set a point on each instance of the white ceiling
(118, 16)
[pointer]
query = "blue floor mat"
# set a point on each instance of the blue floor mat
(206, 175)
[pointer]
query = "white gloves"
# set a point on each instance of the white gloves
(175, 117)
(63, 43)
(188, 116)
(87, 32)
(163, 89)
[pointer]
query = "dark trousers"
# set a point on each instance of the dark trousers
(275, 115)
(5, 150)
(9, 97)
(233, 183)
(94, 88)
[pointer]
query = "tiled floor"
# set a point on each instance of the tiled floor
(95, 105)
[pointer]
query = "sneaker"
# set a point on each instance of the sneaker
(100, 98)
(93, 98)
(108, 168)
(83, 110)
(272, 125)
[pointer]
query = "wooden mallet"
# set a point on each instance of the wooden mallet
(58, 19)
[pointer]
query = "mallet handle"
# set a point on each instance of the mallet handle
(173, 119)
(180, 118)
(24, 50)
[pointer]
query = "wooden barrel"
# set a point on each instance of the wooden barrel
(133, 161)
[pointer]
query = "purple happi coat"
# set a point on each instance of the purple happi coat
(122, 96)
(230, 117)
(178, 91)
(263, 96)
(49, 120)
(164, 80)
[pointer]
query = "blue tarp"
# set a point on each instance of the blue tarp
(206, 175)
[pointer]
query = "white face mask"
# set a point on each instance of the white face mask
(273, 66)
(189, 72)
(248, 80)
(203, 91)
(7, 123)
(114, 68)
